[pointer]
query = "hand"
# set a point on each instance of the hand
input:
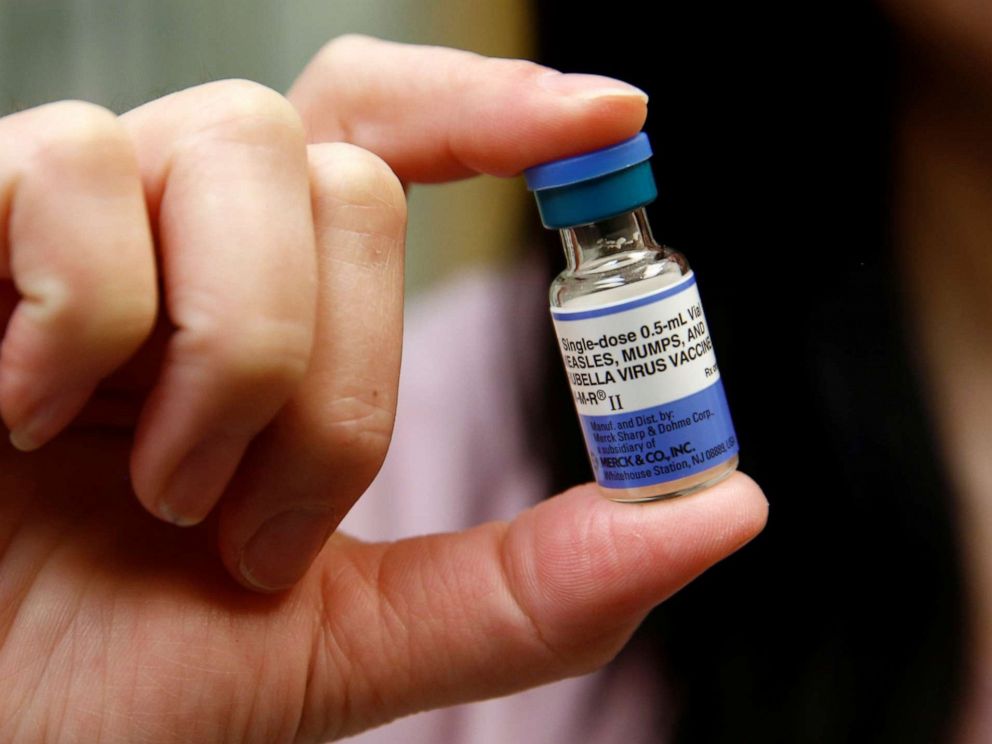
(207, 312)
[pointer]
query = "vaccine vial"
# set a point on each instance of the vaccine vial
(631, 331)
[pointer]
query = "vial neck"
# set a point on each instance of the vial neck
(600, 243)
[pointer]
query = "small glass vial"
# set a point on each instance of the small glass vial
(631, 331)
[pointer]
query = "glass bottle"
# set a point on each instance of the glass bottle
(631, 331)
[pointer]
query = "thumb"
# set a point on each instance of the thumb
(445, 619)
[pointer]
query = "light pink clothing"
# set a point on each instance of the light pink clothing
(458, 458)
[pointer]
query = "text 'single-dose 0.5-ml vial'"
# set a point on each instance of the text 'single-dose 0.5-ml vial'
(631, 331)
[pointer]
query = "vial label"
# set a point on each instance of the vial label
(646, 386)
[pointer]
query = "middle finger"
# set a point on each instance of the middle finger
(224, 168)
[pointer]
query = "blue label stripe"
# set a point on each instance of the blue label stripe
(661, 443)
(598, 312)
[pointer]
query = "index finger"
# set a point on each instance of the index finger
(437, 114)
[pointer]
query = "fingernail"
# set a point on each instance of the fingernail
(283, 548)
(44, 421)
(199, 481)
(24, 439)
(589, 87)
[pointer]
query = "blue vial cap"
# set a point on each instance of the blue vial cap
(594, 186)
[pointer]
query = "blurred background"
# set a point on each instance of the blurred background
(121, 53)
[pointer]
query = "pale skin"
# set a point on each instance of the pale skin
(202, 307)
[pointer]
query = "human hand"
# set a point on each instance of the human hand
(261, 392)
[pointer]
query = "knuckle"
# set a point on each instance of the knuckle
(570, 582)
(358, 422)
(79, 136)
(513, 69)
(345, 45)
(356, 192)
(340, 648)
(359, 416)
(93, 316)
(527, 610)
(361, 421)
(254, 353)
(248, 112)
(349, 174)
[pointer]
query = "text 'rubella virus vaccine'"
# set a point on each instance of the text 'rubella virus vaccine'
(631, 331)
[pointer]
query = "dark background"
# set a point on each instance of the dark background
(772, 130)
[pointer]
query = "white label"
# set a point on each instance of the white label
(637, 353)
